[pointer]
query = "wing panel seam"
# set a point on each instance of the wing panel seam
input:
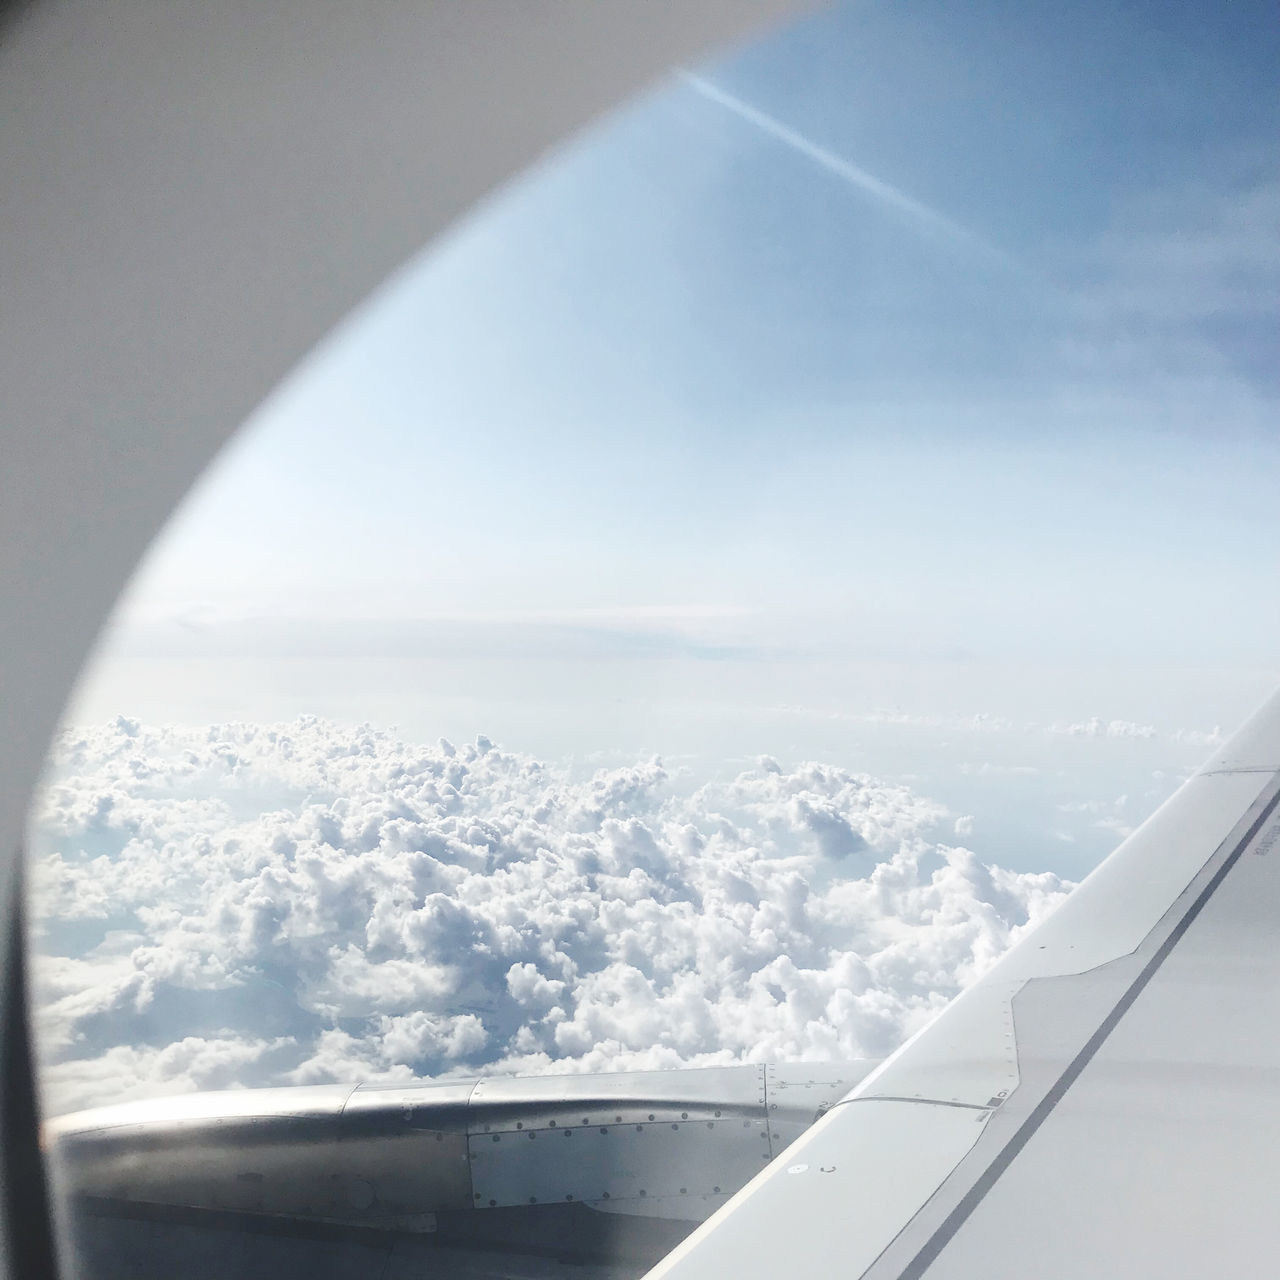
(918, 1101)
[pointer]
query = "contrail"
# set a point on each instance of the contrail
(851, 173)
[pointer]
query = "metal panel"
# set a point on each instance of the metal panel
(671, 1144)
(426, 1105)
(672, 1162)
(625, 1092)
(426, 1094)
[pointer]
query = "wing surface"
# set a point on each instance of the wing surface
(1104, 1102)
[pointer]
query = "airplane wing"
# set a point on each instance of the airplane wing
(1104, 1102)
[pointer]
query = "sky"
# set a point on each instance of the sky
(687, 365)
(897, 393)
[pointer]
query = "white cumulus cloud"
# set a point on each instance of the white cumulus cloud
(262, 904)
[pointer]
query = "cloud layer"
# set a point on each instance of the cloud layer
(253, 904)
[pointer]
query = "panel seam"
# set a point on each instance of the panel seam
(918, 1101)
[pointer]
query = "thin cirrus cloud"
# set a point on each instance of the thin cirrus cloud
(268, 904)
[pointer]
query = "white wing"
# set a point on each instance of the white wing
(1105, 1101)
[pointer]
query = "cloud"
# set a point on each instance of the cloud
(989, 769)
(1178, 297)
(981, 722)
(1097, 728)
(1199, 253)
(257, 904)
(124, 1073)
(1201, 737)
(992, 724)
(1113, 816)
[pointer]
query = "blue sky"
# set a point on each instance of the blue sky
(988, 427)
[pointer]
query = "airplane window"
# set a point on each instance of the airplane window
(664, 646)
